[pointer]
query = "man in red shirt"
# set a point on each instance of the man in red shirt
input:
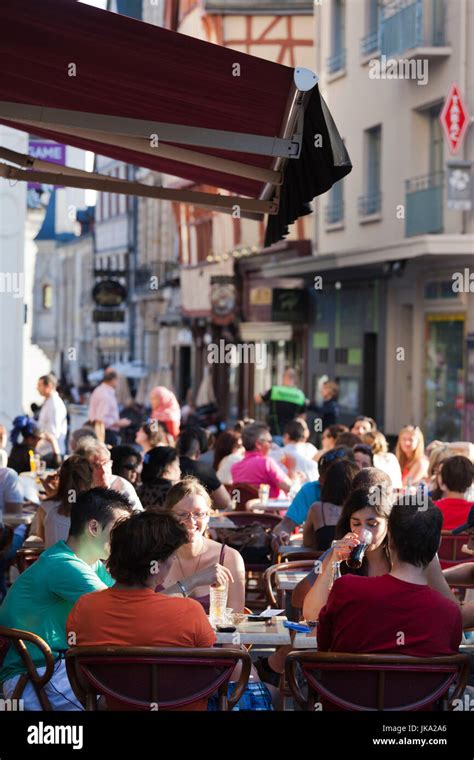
(256, 466)
(398, 612)
(455, 477)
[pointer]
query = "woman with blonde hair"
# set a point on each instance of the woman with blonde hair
(410, 452)
(201, 562)
(383, 459)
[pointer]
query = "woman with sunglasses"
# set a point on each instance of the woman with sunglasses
(201, 562)
(126, 463)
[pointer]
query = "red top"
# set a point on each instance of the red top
(256, 468)
(455, 512)
(388, 615)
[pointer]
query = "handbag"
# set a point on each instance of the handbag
(252, 541)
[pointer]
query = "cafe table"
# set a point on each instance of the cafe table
(305, 640)
(25, 517)
(258, 633)
(287, 580)
(271, 505)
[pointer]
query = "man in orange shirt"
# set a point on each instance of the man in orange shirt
(131, 613)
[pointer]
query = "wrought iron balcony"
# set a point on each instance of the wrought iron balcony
(370, 43)
(335, 212)
(408, 24)
(370, 204)
(424, 204)
(337, 62)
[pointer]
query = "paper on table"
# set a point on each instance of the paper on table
(270, 613)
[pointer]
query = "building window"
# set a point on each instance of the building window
(47, 297)
(370, 43)
(335, 207)
(337, 60)
(436, 141)
(371, 202)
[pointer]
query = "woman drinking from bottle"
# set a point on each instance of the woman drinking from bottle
(365, 509)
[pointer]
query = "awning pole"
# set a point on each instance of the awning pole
(123, 187)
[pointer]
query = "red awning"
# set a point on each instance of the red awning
(174, 104)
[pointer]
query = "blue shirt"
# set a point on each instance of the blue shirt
(307, 495)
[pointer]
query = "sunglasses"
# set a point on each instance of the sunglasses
(332, 455)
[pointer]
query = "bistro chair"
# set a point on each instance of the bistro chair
(269, 577)
(245, 491)
(375, 682)
(13, 637)
(154, 678)
(450, 549)
(26, 556)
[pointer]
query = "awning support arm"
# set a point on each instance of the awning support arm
(176, 133)
(124, 187)
(170, 152)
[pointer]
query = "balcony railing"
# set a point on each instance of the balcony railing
(337, 62)
(408, 24)
(424, 204)
(369, 204)
(335, 212)
(370, 43)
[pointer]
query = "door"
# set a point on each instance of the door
(444, 376)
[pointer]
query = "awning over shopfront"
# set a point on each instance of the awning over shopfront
(256, 130)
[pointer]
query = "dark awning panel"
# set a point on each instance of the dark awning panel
(109, 83)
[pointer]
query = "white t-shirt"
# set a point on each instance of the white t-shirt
(299, 453)
(124, 486)
(389, 464)
(11, 491)
(224, 470)
(53, 419)
(56, 526)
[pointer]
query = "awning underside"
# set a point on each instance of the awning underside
(84, 61)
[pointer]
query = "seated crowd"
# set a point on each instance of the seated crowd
(128, 558)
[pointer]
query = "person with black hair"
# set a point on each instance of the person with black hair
(161, 470)
(41, 598)
(23, 451)
(320, 525)
(455, 478)
(126, 462)
(363, 455)
(397, 612)
(131, 613)
(192, 442)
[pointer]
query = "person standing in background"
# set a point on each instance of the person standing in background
(285, 401)
(165, 408)
(103, 407)
(53, 414)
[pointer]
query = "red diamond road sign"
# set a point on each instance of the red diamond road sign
(454, 118)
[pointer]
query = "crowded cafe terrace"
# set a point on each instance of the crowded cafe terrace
(226, 572)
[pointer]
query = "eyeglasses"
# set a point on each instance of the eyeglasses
(198, 516)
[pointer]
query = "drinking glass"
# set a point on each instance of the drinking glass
(217, 605)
